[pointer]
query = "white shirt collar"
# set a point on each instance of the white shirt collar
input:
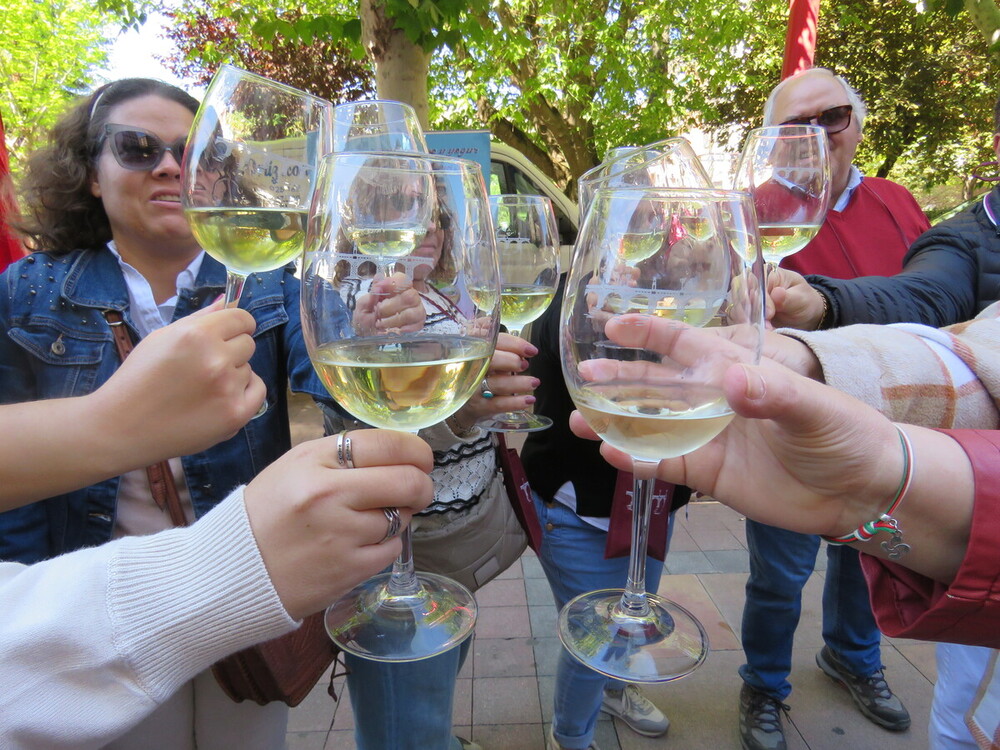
(853, 180)
(146, 314)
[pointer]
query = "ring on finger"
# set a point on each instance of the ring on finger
(485, 388)
(395, 524)
(345, 456)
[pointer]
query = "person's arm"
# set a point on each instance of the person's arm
(807, 458)
(184, 388)
(106, 634)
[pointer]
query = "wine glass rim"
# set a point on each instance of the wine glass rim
(411, 155)
(665, 147)
(347, 106)
(513, 198)
(786, 131)
(229, 68)
(663, 193)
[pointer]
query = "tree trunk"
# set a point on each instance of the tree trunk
(401, 67)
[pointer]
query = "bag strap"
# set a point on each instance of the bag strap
(161, 479)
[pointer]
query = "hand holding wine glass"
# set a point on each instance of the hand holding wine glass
(392, 368)
(786, 168)
(649, 405)
(249, 170)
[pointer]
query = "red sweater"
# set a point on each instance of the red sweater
(909, 605)
(868, 238)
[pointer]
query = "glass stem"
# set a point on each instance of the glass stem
(514, 416)
(234, 287)
(634, 600)
(403, 581)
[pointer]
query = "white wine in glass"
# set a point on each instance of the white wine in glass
(654, 404)
(401, 351)
(786, 168)
(249, 171)
(527, 239)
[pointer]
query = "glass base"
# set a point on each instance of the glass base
(516, 421)
(665, 644)
(370, 623)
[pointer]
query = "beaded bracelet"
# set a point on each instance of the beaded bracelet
(894, 546)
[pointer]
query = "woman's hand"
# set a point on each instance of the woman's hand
(792, 302)
(319, 525)
(511, 391)
(390, 304)
(800, 455)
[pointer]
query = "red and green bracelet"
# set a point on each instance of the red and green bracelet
(866, 531)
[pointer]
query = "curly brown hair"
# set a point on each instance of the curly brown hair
(61, 214)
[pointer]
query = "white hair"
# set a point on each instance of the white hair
(860, 111)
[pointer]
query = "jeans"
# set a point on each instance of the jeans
(573, 560)
(405, 705)
(780, 564)
(960, 670)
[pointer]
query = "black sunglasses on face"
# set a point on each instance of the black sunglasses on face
(833, 120)
(137, 150)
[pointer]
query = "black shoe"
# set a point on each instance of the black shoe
(870, 694)
(760, 721)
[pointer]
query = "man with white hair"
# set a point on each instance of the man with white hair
(867, 231)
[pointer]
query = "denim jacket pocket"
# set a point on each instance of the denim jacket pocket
(66, 363)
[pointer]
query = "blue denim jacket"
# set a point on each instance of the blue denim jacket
(57, 343)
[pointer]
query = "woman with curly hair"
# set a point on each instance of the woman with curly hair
(112, 248)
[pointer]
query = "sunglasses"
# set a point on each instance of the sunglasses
(833, 120)
(137, 150)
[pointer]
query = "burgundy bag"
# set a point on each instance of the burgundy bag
(282, 669)
(519, 493)
(620, 529)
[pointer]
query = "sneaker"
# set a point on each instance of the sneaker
(468, 744)
(760, 721)
(870, 694)
(551, 743)
(636, 710)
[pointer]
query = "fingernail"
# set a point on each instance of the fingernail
(756, 388)
(530, 399)
(535, 382)
(523, 366)
(530, 350)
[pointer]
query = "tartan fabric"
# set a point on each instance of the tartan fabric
(945, 378)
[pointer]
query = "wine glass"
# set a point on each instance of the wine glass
(786, 168)
(667, 163)
(527, 239)
(402, 352)
(720, 166)
(706, 271)
(249, 169)
(377, 125)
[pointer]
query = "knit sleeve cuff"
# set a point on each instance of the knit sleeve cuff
(180, 600)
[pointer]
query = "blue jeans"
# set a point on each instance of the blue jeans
(405, 705)
(780, 564)
(573, 560)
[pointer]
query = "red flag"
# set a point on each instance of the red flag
(800, 41)
(10, 248)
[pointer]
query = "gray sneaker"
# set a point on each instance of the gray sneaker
(551, 744)
(870, 694)
(760, 721)
(636, 710)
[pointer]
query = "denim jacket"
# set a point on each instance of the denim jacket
(57, 343)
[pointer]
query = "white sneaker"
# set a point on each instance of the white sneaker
(551, 743)
(636, 710)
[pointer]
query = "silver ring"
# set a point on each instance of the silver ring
(395, 524)
(345, 457)
(485, 388)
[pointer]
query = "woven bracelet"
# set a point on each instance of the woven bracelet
(894, 546)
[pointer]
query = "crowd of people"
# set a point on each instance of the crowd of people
(116, 616)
